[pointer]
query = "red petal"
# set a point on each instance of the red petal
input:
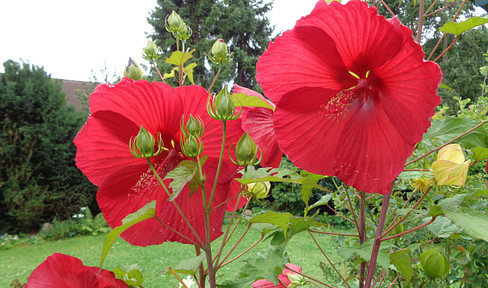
(304, 56)
(363, 149)
(409, 88)
(259, 124)
(64, 271)
(103, 145)
(117, 200)
(363, 38)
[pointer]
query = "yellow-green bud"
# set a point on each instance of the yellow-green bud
(194, 126)
(296, 280)
(185, 33)
(151, 51)
(435, 263)
(222, 107)
(133, 71)
(144, 144)
(260, 190)
(174, 23)
(450, 168)
(220, 52)
(191, 146)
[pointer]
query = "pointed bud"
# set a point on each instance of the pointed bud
(185, 33)
(434, 263)
(133, 71)
(222, 107)
(174, 23)
(220, 52)
(194, 126)
(191, 146)
(246, 151)
(450, 167)
(144, 144)
(151, 51)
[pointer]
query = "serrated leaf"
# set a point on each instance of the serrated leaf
(181, 175)
(364, 252)
(189, 71)
(250, 101)
(322, 201)
(179, 58)
(435, 210)
(445, 130)
(281, 220)
(401, 261)
(146, 212)
(442, 227)
(306, 190)
(460, 28)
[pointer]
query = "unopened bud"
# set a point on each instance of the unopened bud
(296, 280)
(222, 107)
(185, 33)
(450, 167)
(174, 23)
(220, 52)
(144, 144)
(191, 146)
(194, 126)
(259, 190)
(246, 151)
(133, 71)
(435, 263)
(151, 51)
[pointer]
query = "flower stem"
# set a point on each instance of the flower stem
(377, 240)
(157, 70)
(219, 166)
(362, 236)
(215, 78)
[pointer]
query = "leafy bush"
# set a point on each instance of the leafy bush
(38, 177)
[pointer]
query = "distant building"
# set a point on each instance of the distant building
(73, 89)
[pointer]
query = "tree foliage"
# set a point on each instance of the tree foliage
(243, 24)
(38, 177)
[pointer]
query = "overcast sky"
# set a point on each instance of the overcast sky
(72, 38)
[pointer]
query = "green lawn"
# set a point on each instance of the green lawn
(18, 262)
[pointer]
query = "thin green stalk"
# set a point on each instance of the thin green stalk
(215, 78)
(174, 202)
(219, 166)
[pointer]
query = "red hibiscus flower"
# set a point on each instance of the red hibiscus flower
(64, 271)
(126, 183)
(258, 122)
(283, 278)
(353, 94)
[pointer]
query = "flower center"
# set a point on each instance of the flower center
(338, 106)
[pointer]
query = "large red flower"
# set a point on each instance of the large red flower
(64, 271)
(353, 94)
(126, 183)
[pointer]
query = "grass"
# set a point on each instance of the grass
(19, 262)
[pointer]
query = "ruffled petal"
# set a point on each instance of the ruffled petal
(363, 38)
(304, 56)
(409, 88)
(363, 149)
(64, 271)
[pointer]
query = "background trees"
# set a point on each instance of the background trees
(243, 24)
(38, 177)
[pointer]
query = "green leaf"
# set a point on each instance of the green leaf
(306, 190)
(444, 86)
(250, 101)
(473, 222)
(179, 58)
(459, 28)
(187, 266)
(189, 71)
(181, 175)
(442, 227)
(445, 130)
(480, 153)
(401, 261)
(435, 210)
(146, 212)
(364, 252)
(322, 201)
(281, 220)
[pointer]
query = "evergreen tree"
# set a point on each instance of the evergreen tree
(243, 25)
(38, 177)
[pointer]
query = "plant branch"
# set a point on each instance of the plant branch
(421, 21)
(411, 230)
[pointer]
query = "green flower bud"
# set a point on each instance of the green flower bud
(435, 263)
(222, 107)
(144, 144)
(151, 51)
(246, 151)
(220, 52)
(174, 23)
(184, 34)
(191, 146)
(259, 190)
(194, 126)
(296, 280)
(133, 71)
